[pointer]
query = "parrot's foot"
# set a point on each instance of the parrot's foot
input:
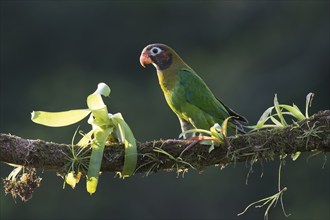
(200, 138)
(195, 140)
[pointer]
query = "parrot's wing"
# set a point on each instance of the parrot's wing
(198, 94)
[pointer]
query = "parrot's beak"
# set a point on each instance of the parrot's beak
(145, 59)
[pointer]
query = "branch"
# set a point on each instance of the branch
(309, 135)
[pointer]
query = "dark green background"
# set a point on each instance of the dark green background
(53, 54)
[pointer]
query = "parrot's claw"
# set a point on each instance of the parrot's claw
(195, 140)
(201, 138)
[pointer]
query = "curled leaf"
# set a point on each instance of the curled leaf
(103, 89)
(263, 119)
(224, 126)
(99, 110)
(309, 99)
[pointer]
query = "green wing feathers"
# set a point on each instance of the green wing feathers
(202, 108)
(198, 94)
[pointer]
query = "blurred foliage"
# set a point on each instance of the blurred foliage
(245, 51)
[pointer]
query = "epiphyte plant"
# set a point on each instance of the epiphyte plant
(105, 127)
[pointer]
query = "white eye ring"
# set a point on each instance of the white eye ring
(155, 50)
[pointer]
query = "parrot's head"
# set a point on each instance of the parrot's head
(159, 55)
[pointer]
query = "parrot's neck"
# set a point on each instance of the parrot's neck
(169, 77)
(167, 80)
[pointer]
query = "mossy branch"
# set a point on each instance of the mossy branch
(310, 135)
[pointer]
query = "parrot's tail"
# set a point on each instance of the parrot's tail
(238, 120)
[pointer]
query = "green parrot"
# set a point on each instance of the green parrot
(186, 93)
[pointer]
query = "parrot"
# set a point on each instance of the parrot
(186, 93)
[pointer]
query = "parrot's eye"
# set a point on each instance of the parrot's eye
(155, 50)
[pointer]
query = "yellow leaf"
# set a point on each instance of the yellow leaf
(59, 119)
(70, 179)
(91, 185)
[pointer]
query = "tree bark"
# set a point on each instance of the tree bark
(309, 135)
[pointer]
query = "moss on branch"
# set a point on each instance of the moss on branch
(309, 135)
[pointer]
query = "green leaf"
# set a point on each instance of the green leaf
(195, 131)
(160, 150)
(279, 112)
(100, 138)
(96, 105)
(215, 129)
(276, 122)
(95, 102)
(294, 110)
(86, 139)
(264, 117)
(126, 136)
(224, 126)
(99, 110)
(59, 119)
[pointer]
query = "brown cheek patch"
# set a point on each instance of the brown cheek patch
(165, 57)
(163, 60)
